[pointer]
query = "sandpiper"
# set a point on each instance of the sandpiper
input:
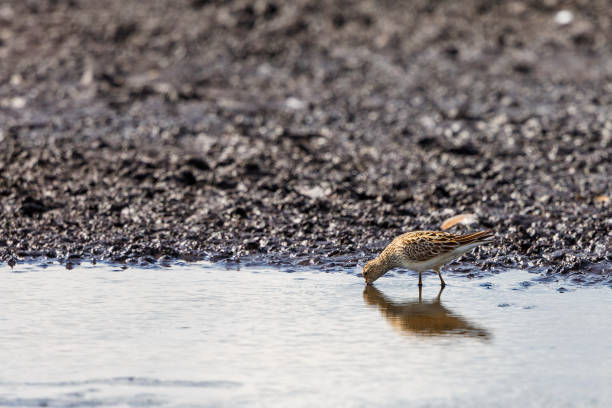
(421, 251)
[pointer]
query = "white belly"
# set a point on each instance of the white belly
(439, 260)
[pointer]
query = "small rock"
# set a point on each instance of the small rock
(564, 17)
(294, 103)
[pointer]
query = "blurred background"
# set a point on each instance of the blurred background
(309, 131)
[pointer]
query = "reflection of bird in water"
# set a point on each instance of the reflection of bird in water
(421, 251)
(422, 318)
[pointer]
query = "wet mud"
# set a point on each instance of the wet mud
(305, 132)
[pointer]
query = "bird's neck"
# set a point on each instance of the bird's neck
(383, 263)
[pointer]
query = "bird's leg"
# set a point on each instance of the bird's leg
(440, 275)
(420, 281)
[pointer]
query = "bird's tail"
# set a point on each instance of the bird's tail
(476, 237)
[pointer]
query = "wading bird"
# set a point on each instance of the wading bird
(421, 251)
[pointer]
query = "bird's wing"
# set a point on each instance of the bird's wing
(426, 245)
(482, 236)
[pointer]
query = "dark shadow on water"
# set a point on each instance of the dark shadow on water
(423, 318)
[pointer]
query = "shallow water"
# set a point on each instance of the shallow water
(198, 335)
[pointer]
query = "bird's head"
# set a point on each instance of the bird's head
(373, 270)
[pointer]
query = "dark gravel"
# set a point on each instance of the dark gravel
(304, 132)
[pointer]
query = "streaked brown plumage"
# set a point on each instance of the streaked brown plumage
(423, 250)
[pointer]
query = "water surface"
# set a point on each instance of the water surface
(199, 335)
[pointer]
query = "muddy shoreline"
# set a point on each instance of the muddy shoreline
(303, 133)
